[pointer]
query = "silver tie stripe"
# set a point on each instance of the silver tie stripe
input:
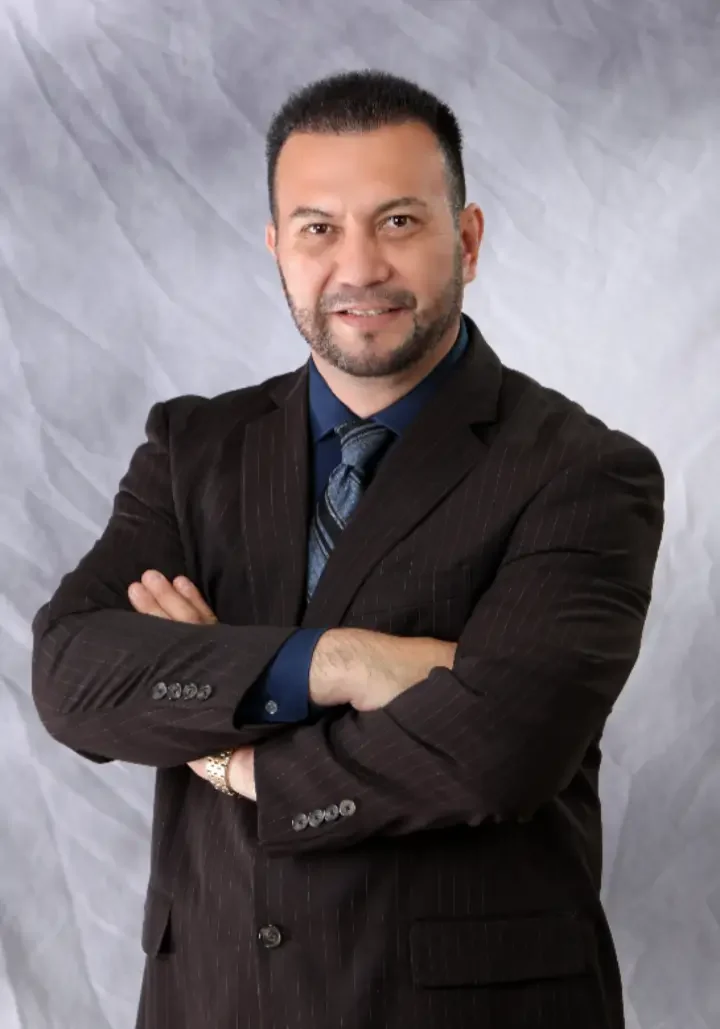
(361, 441)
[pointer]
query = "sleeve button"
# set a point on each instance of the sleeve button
(300, 822)
(204, 692)
(159, 691)
(347, 807)
(270, 936)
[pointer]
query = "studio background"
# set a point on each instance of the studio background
(133, 268)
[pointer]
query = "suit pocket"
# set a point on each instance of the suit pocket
(156, 929)
(480, 953)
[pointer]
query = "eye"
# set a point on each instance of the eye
(407, 217)
(309, 230)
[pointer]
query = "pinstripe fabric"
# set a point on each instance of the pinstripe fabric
(461, 886)
(361, 441)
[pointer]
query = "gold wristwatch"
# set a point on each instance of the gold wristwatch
(216, 768)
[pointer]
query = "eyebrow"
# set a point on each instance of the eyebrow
(306, 212)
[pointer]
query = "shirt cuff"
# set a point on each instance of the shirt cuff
(282, 692)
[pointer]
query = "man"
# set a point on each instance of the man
(416, 584)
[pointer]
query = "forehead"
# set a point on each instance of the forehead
(359, 170)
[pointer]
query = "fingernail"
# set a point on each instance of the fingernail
(153, 577)
(182, 583)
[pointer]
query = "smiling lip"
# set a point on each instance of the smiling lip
(370, 321)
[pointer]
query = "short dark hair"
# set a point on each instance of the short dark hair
(361, 101)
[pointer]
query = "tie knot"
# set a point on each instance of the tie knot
(361, 440)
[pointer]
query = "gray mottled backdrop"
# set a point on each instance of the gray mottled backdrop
(132, 268)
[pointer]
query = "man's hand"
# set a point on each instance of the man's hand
(369, 669)
(181, 601)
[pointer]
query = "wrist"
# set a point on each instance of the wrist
(334, 666)
(241, 772)
(351, 665)
(346, 662)
(367, 669)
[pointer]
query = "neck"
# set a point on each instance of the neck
(365, 396)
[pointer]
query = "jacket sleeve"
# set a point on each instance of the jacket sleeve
(111, 683)
(538, 668)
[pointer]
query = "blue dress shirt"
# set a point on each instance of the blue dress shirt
(281, 693)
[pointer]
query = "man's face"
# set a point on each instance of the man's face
(346, 239)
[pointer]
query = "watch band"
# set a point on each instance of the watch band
(216, 768)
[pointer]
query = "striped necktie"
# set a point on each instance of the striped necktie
(362, 443)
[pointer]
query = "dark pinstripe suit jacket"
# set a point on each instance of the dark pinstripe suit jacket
(459, 885)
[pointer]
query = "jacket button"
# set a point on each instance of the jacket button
(190, 691)
(331, 813)
(316, 818)
(159, 690)
(270, 936)
(204, 692)
(174, 691)
(347, 807)
(300, 822)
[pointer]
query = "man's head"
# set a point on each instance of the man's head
(367, 198)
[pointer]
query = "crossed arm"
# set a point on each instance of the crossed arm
(538, 667)
(355, 667)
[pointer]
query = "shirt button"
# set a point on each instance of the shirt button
(270, 936)
(331, 813)
(317, 817)
(347, 807)
(300, 822)
(190, 691)
(271, 707)
(159, 690)
(204, 692)
(174, 691)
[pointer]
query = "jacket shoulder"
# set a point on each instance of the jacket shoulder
(205, 415)
(535, 416)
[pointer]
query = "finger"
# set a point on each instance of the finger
(192, 594)
(144, 602)
(171, 602)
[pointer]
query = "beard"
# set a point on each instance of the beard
(427, 331)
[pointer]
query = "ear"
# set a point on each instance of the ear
(472, 233)
(271, 238)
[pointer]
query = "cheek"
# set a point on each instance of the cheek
(424, 271)
(305, 280)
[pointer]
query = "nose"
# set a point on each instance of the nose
(360, 261)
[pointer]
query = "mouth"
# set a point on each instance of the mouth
(376, 318)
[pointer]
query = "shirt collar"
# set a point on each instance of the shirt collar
(327, 412)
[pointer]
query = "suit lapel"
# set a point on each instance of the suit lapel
(438, 450)
(275, 503)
